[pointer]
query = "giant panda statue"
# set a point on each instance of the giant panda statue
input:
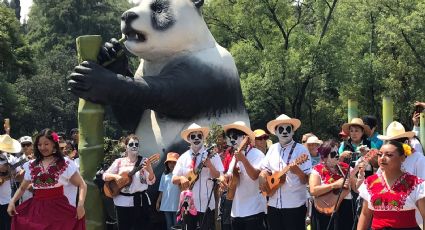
(184, 76)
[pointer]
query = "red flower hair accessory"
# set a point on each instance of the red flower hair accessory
(55, 137)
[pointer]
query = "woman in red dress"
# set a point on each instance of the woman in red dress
(392, 195)
(48, 173)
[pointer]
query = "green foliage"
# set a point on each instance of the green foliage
(307, 58)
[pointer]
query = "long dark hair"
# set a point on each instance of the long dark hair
(47, 133)
(398, 145)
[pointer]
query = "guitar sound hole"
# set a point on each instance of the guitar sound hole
(190, 178)
(272, 180)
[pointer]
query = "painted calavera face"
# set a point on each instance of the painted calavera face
(196, 140)
(132, 147)
(285, 133)
(235, 138)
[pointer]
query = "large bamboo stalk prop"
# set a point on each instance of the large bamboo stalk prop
(90, 147)
(422, 127)
(387, 113)
(353, 109)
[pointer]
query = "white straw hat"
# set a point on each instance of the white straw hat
(283, 119)
(194, 128)
(396, 130)
(9, 145)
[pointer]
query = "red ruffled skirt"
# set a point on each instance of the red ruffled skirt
(49, 209)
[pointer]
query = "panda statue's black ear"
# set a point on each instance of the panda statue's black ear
(198, 3)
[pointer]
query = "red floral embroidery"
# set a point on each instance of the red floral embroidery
(394, 198)
(49, 177)
(327, 176)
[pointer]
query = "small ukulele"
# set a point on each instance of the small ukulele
(275, 180)
(234, 181)
(112, 188)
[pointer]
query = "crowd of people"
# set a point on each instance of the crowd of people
(362, 181)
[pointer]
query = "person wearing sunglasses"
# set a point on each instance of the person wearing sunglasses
(27, 147)
(261, 138)
(328, 177)
(202, 188)
(132, 203)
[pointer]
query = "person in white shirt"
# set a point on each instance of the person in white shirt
(203, 186)
(132, 203)
(286, 208)
(7, 145)
(248, 205)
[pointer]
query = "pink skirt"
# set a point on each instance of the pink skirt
(49, 209)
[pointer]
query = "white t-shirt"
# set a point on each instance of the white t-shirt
(292, 194)
(5, 193)
(202, 187)
(140, 181)
(248, 199)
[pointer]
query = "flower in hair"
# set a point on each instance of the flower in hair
(55, 137)
(407, 149)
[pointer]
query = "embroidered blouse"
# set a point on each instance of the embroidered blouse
(328, 177)
(55, 175)
(393, 206)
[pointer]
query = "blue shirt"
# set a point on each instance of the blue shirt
(170, 194)
(375, 141)
(315, 160)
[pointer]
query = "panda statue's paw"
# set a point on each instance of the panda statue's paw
(112, 55)
(93, 82)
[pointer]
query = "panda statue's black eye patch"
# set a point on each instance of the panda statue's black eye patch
(162, 16)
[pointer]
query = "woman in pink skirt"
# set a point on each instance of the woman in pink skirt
(48, 173)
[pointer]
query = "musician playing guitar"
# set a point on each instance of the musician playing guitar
(248, 205)
(132, 203)
(286, 208)
(202, 187)
(326, 179)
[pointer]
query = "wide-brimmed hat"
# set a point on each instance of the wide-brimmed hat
(356, 121)
(171, 156)
(314, 140)
(25, 139)
(9, 145)
(241, 126)
(283, 119)
(260, 133)
(194, 128)
(396, 130)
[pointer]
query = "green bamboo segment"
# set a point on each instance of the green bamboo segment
(387, 113)
(422, 127)
(353, 109)
(90, 147)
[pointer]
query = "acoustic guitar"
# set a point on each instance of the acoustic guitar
(8, 168)
(193, 175)
(112, 188)
(234, 181)
(278, 178)
(326, 203)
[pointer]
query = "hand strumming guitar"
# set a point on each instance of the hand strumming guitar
(148, 167)
(184, 183)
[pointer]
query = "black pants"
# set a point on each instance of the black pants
(286, 218)
(342, 220)
(132, 218)
(254, 222)
(206, 223)
(225, 209)
(4, 218)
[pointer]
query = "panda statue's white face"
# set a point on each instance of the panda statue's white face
(162, 28)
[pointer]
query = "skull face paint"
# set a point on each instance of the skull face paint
(132, 148)
(285, 133)
(196, 140)
(235, 138)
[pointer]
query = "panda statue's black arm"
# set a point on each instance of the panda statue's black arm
(183, 89)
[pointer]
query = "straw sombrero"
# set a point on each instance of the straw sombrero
(283, 119)
(9, 145)
(396, 130)
(194, 128)
(314, 140)
(358, 122)
(240, 125)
